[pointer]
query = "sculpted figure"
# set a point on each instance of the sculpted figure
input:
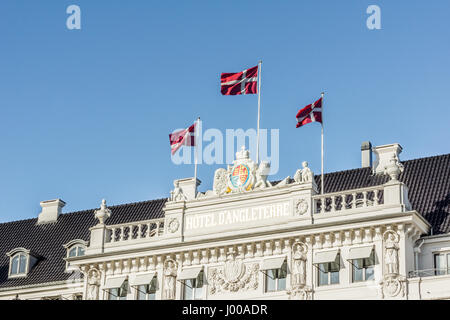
(304, 175)
(391, 254)
(261, 175)
(93, 285)
(170, 274)
(220, 181)
(299, 264)
(177, 194)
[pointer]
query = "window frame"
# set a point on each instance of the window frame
(446, 269)
(153, 284)
(195, 288)
(364, 268)
(276, 279)
(76, 243)
(18, 253)
(329, 273)
(125, 287)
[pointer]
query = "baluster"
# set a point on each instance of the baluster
(130, 232)
(344, 202)
(333, 204)
(364, 198)
(139, 235)
(148, 229)
(158, 224)
(322, 205)
(354, 200)
(122, 233)
(375, 197)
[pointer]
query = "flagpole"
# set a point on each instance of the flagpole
(196, 153)
(321, 179)
(259, 110)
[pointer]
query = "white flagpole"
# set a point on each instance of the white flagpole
(321, 179)
(196, 128)
(259, 110)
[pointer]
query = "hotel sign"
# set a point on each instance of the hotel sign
(233, 217)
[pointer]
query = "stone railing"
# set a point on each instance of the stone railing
(134, 231)
(428, 273)
(340, 202)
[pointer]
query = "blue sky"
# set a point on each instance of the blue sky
(85, 114)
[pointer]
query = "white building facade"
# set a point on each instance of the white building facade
(249, 238)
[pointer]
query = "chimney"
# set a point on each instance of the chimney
(51, 209)
(384, 154)
(366, 154)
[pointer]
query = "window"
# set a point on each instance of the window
(363, 269)
(442, 263)
(119, 293)
(75, 248)
(20, 262)
(276, 278)
(76, 251)
(193, 288)
(147, 291)
(328, 273)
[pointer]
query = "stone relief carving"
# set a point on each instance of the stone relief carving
(299, 290)
(93, 284)
(298, 293)
(304, 175)
(170, 276)
(234, 276)
(173, 225)
(391, 248)
(301, 206)
(299, 251)
(245, 175)
(261, 175)
(177, 193)
(393, 284)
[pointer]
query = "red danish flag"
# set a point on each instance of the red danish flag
(184, 137)
(245, 82)
(310, 113)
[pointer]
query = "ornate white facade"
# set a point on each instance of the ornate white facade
(366, 243)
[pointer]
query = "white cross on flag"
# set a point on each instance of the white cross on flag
(244, 82)
(310, 113)
(184, 137)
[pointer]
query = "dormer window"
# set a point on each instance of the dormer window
(76, 251)
(75, 248)
(20, 263)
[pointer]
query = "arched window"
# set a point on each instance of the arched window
(76, 251)
(75, 248)
(20, 262)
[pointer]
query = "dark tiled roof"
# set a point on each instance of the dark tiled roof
(428, 180)
(47, 240)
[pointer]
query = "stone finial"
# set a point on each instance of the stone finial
(103, 213)
(394, 168)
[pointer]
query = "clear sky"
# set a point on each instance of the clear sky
(85, 114)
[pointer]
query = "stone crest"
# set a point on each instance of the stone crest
(301, 206)
(173, 225)
(234, 276)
